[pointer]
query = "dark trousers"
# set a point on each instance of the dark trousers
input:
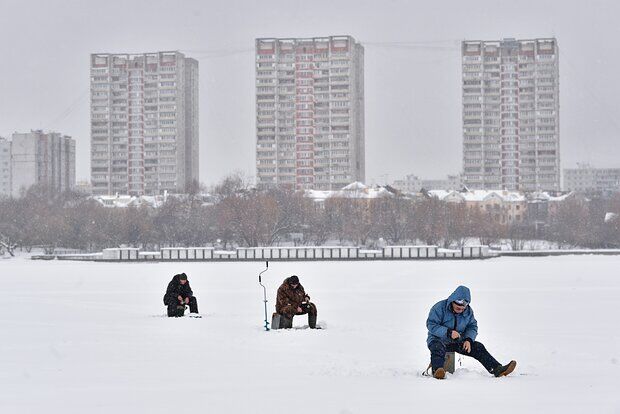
(478, 352)
(174, 302)
(310, 309)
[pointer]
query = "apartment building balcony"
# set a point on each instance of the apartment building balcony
(262, 131)
(546, 98)
(99, 100)
(266, 122)
(286, 65)
(340, 122)
(266, 98)
(478, 117)
(271, 77)
(266, 172)
(266, 157)
(337, 99)
(99, 157)
(336, 80)
(284, 81)
(100, 135)
(99, 180)
(321, 83)
(545, 81)
(468, 91)
(476, 162)
(543, 164)
(272, 82)
(490, 99)
(472, 75)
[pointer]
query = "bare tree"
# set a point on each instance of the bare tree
(572, 226)
(431, 220)
(359, 227)
(10, 221)
(391, 216)
(316, 224)
(231, 185)
(518, 234)
(458, 226)
(486, 227)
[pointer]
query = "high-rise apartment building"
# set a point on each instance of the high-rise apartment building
(309, 112)
(42, 158)
(511, 117)
(5, 167)
(144, 123)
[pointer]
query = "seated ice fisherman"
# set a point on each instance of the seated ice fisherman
(178, 295)
(452, 327)
(292, 300)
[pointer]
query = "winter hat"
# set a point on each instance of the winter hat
(293, 280)
(182, 276)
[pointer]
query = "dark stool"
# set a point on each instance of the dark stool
(280, 321)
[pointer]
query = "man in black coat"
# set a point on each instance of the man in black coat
(178, 294)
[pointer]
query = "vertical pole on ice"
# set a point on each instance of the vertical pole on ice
(260, 282)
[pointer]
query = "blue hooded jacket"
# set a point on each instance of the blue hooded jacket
(441, 318)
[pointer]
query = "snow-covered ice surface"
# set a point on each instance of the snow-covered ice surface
(91, 338)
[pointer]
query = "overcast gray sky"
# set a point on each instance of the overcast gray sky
(413, 95)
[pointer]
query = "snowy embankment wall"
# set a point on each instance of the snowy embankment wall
(558, 252)
(304, 253)
(314, 253)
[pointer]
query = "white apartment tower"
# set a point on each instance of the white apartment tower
(42, 158)
(586, 178)
(5, 167)
(144, 123)
(309, 112)
(511, 114)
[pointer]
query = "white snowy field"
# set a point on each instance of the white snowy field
(91, 338)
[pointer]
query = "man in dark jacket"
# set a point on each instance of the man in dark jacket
(292, 300)
(179, 294)
(452, 327)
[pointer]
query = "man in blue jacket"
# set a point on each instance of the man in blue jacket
(452, 327)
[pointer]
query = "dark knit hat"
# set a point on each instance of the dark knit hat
(293, 280)
(182, 276)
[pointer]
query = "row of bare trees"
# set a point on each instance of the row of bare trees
(581, 222)
(247, 217)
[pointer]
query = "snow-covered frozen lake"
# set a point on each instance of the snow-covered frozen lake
(91, 338)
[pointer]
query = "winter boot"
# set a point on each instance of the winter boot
(503, 370)
(180, 311)
(312, 321)
(172, 311)
(439, 373)
(193, 305)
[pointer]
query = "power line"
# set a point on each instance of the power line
(68, 110)
(435, 45)
(216, 53)
(587, 90)
(439, 45)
